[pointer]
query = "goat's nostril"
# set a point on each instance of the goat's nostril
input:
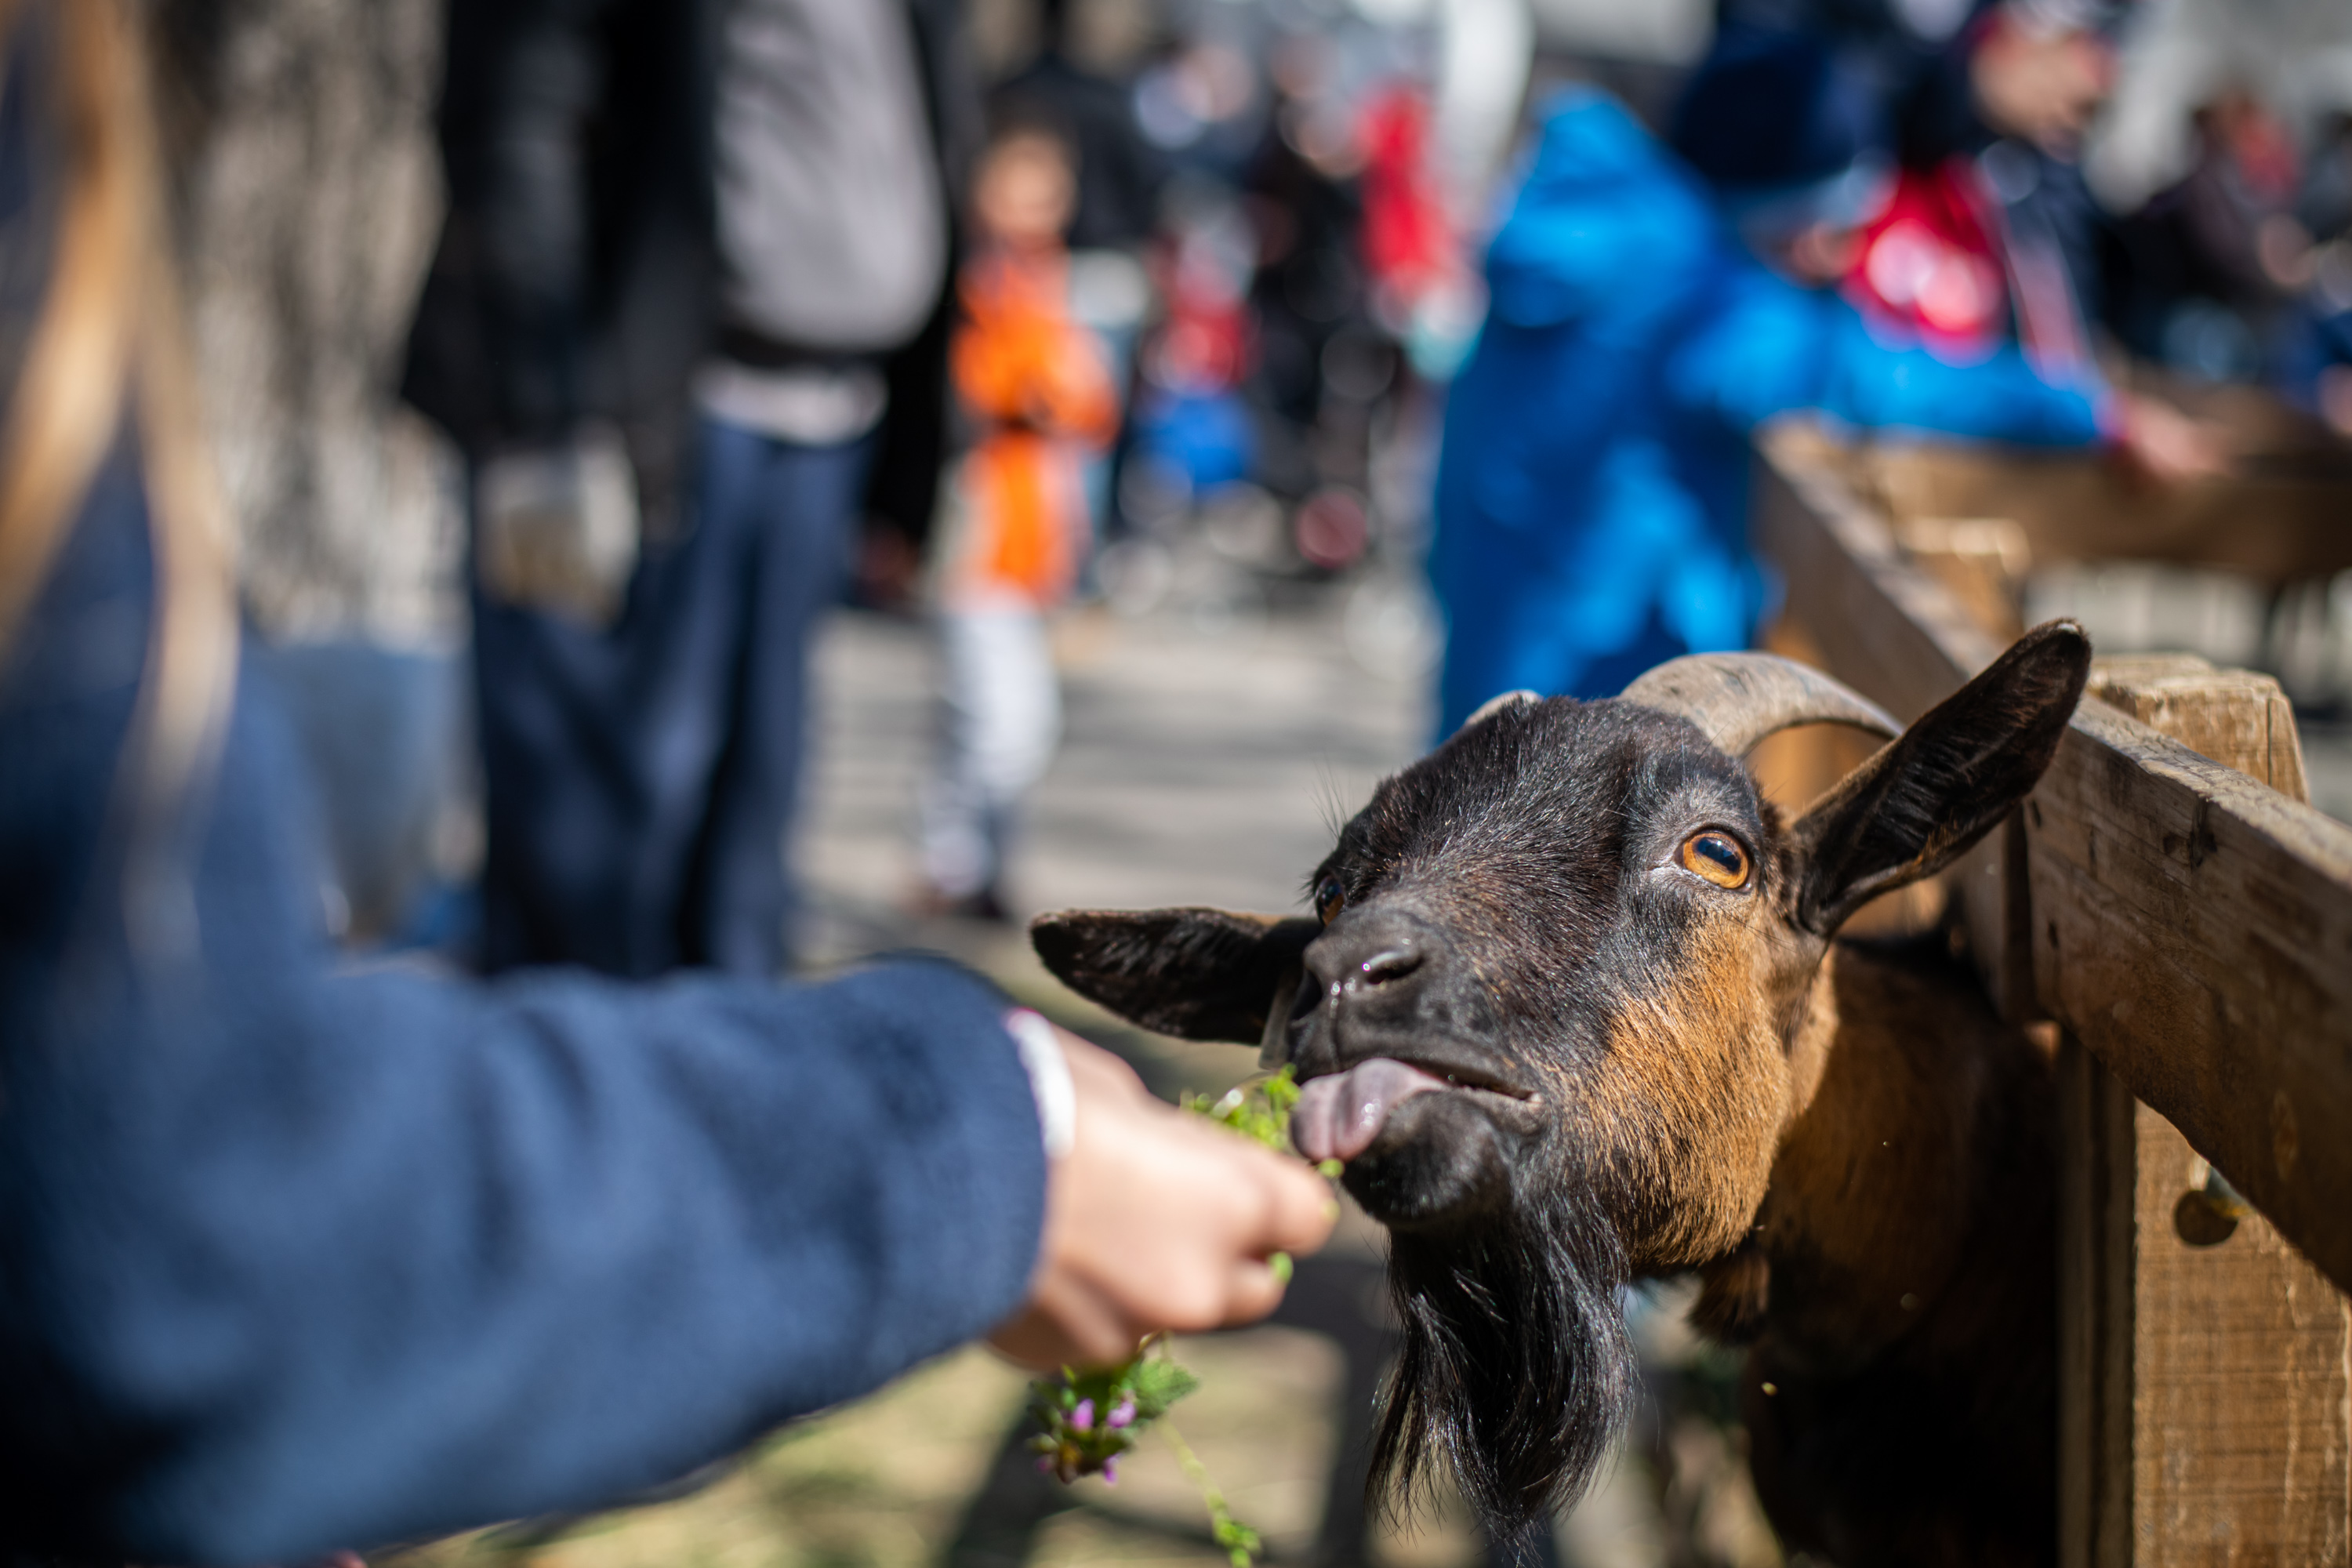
(1394, 963)
(1367, 950)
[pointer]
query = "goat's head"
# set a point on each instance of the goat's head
(1556, 1009)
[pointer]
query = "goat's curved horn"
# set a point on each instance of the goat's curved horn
(1738, 699)
(1494, 705)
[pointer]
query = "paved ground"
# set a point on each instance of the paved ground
(1199, 763)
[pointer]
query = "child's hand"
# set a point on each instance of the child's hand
(1155, 1221)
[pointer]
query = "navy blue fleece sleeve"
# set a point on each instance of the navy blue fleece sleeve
(292, 1258)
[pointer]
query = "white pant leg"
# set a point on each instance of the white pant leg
(1001, 715)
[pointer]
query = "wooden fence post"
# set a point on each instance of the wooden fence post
(2205, 1367)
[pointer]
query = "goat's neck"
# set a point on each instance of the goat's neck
(1882, 1181)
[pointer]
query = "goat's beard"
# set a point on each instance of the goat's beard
(1516, 1367)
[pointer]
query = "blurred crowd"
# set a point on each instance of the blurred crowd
(722, 345)
(1328, 291)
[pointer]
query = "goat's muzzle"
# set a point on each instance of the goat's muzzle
(1428, 1118)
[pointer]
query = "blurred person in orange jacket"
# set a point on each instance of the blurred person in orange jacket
(1037, 386)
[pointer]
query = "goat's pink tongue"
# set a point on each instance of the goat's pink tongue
(1337, 1116)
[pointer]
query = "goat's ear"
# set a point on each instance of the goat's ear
(1205, 974)
(1944, 782)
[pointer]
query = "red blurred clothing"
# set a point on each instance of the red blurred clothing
(1931, 265)
(1205, 344)
(1035, 381)
(1408, 241)
(1943, 268)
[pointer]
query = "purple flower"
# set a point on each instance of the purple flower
(1110, 1472)
(1082, 1417)
(1045, 1464)
(1121, 1413)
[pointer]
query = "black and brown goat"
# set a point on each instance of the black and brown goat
(1570, 1008)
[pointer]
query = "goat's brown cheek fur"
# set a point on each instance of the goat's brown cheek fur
(1686, 1112)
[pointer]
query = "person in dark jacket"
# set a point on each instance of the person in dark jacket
(692, 292)
(294, 1256)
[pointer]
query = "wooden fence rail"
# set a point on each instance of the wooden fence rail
(2187, 921)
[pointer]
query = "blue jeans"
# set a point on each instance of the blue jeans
(641, 783)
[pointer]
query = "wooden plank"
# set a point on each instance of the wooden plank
(1886, 630)
(2192, 926)
(2205, 1388)
(2096, 1166)
(1982, 559)
(2195, 929)
(2241, 1438)
(2205, 1361)
(2237, 717)
(2278, 518)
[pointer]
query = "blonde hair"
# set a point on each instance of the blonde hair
(109, 345)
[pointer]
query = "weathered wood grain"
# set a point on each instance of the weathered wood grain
(1982, 559)
(1887, 628)
(2215, 1351)
(2097, 1163)
(2241, 1438)
(2236, 717)
(2195, 929)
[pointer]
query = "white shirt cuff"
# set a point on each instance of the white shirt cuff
(1049, 1080)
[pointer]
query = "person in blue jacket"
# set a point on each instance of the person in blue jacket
(1648, 312)
(296, 1258)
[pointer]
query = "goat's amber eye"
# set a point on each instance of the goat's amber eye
(1329, 896)
(1716, 856)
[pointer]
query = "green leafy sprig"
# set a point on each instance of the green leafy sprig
(1259, 1109)
(1088, 1420)
(1241, 1543)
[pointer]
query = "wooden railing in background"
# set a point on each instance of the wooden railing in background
(2169, 899)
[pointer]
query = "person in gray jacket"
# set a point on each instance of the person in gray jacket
(688, 321)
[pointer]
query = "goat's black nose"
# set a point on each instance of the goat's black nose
(1366, 952)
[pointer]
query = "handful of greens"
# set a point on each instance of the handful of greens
(1087, 1420)
(1260, 1111)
